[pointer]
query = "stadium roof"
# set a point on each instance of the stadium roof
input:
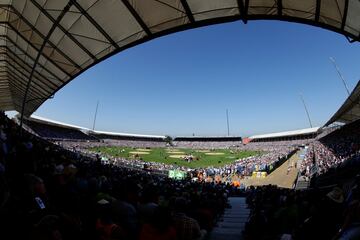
(54, 123)
(127, 134)
(287, 133)
(44, 44)
(65, 125)
(350, 110)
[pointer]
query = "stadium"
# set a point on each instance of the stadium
(64, 181)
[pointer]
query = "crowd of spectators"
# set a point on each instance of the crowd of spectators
(266, 160)
(330, 213)
(58, 133)
(333, 150)
(274, 145)
(207, 144)
(112, 142)
(47, 192)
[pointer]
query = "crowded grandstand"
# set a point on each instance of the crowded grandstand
(53, 171)
(62, 181)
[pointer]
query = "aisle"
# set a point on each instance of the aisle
(233, 221)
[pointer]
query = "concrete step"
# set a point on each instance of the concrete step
(232, 223)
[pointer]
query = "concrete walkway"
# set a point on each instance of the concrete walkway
(233, 223)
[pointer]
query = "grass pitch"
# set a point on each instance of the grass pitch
(216, 158)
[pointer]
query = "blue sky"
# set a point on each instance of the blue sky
(183, 83)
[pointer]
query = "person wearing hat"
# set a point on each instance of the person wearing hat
(336, 195)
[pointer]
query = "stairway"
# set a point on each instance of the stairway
(233, 221)
(302, 184)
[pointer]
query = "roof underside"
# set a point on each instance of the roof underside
(53, 41)
(350, 110)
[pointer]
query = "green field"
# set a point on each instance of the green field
(218, 157)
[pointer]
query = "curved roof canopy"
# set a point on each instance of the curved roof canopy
(44, 44)
(350, 110)
(287, 133)
(51, 122)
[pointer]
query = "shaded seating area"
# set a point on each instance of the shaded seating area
(51, 193)
(59, 133)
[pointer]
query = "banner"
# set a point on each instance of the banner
(177, 174)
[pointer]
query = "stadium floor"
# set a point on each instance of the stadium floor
(279, 177)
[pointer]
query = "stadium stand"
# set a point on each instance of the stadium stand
(202, 142)
(78, 139)
(265, 162)
(277, 147)
(334, 151)
(349, 110)
(126, 136)
(334, 156)
(302, 134)
(328, 213)
(128, 140)
(49, 192)
(74, 135)
(56, 131)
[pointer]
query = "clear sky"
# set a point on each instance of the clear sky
(183, 83)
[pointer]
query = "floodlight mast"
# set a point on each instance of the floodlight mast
(306, 110)
(227, 121)
(340, 75)
(96, 110)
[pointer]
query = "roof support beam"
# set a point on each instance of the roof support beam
(188, 11)
(137, 17)
(38, 50)
(16, 83)
(279, 7)
(33, 28)
(343, 22)
(30, 57)
(11, 83)
(93, 22)
(23, 76)
(70, 36)
(13, 56)
(243, 9)
(317, 11)
(43, 80)
(62, 14)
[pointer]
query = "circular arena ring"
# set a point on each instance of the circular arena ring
(177, 156)
(143, 150)
(214, 153)
(139, 153)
